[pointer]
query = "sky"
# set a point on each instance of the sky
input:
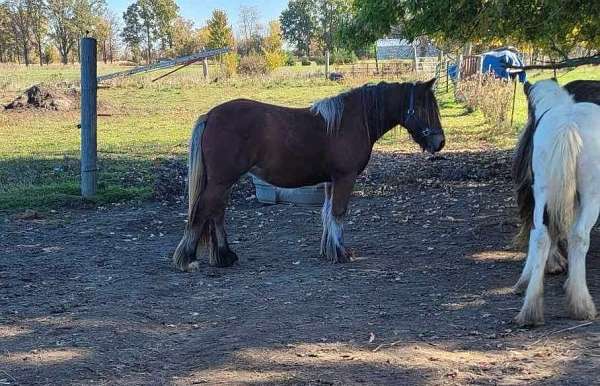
(200, 10)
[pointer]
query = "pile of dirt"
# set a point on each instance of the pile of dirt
(41, 97)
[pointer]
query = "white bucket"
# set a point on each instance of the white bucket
(307, 195)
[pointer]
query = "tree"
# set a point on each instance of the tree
(220, 34)
(298, 24)
(37, 11)
(165, 13)
(250, 38)
(555, 26)
(21, 26)
(61, 14)
(106, 33)
(332, 14)
(153, 17)
(8, 45)
(273, 46)
(131, 33)
(186, 39)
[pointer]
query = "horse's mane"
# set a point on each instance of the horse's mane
(371, 96)
(582, 91)
(331, 110)
(372, 104)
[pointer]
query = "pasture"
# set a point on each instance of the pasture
(88, 293)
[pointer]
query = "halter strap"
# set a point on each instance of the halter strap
(537, 122)
(410, 114)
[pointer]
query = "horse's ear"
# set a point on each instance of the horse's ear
(526, 87)
(431, 83)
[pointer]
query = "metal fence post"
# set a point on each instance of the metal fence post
(327, 64)
(89, 87)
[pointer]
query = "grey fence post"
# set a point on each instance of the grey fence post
(89, 87)
(327, 64)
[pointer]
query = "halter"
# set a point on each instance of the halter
(537, 122)
(410, 115)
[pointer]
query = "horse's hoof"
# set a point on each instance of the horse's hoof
(530, 317)
(192, 267)
(225, 258)
(581, 307)
(342, 256)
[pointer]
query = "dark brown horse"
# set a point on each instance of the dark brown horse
(331, 142)
(582, 91)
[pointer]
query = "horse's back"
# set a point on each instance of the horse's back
(584, 90)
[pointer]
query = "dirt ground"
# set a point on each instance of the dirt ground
(90, 297)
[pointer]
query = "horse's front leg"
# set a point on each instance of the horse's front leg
(334, 209)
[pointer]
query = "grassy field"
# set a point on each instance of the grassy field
(148, 121)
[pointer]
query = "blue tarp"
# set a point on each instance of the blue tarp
(495, 62)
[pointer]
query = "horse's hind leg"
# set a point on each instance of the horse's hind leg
(325, 215)
(580, 303)
(207, 225)
(333, 220)
(220, 255)
(194, 236)
(557, 262)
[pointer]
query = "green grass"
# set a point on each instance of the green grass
(39, 150)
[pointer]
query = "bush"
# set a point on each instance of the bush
(489, 94)
(320, 60)
(342, 56)
(306, 62)
(274, 59)
(290, 59)
(230, 64)
(253, 64)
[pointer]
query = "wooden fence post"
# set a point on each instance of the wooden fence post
(376, 60)
(205, 68)
(89, 87)
(415, 59)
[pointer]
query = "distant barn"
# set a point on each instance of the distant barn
(403, 49)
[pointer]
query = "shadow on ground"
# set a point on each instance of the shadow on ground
(90, 295)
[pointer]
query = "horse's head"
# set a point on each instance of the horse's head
(420, 115)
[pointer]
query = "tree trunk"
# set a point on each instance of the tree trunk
(78, 50)
(26, 54)
(40, 52)
(149, 52)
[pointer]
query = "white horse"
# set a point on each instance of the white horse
(566, 187)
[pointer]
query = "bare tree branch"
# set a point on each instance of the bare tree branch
(575, 62)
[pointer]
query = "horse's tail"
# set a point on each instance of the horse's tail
(194, 231)
(562, 183)
(523, 177)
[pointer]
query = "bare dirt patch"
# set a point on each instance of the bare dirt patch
(90, 295)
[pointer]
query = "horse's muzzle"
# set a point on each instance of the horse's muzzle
(435, 143)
